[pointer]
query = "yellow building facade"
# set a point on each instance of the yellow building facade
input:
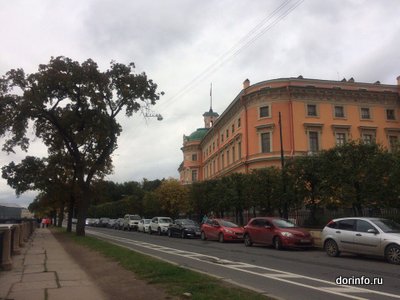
(315, 115)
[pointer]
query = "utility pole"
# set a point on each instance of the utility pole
(283, 210)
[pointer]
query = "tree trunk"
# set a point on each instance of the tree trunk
(71, 205)
(61, 214)
(83, 208)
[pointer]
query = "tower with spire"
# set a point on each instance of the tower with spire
(210, 116)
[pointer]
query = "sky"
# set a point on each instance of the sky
(184, 46)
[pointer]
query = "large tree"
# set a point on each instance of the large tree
(73, 107)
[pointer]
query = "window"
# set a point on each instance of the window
(222, 161)
(194, 175)
(367, 138)
(238, 123)
(213, 146)
(339, 111)
(233, 128)
(390, 114)
(346, 224)
(312, 110)
(340, 138)
(194, 157)
(364, 226)
(365, 113)
(222, 138)
(264, 112)
(240, 150)
(393, 142)
(233, 154)
(227, 133)
(227, 157)
(313, 139)
(265, 142)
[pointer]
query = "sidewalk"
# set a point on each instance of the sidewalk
(44, 271)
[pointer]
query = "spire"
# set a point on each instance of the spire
(211, 97)
(210, 116)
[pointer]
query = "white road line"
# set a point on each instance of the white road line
(238, 266)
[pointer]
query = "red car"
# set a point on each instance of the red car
(221, 230)
(278, 232)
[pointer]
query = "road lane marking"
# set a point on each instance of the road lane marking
(239, 266)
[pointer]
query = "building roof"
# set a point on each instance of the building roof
(197, 135)
(210, 113)
(10, 205)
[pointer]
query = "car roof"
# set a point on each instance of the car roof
(358, 218)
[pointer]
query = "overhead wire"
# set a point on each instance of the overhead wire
(254, 34)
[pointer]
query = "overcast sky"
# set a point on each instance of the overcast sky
(184, 45)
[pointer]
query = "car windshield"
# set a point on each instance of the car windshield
(147, 221)
(135, 217)
(228, 224)
(188, 222)
(387, 226)
(281, 223)
(165, 220)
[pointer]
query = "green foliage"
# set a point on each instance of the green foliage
(74, 109)
(174, 279)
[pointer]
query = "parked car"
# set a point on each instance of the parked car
(159, 225)
(119, 223)
(366, 236)
(143, 225)
(131, 222)
(278, 232)
(103, 222)
(221, 230)
(111, 223)
(184, 228)
(90, 221)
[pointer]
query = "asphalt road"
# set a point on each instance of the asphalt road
(287, 274)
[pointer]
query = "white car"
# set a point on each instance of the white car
(367, 236)
(144, 225)
(160, 225)
(131, 222)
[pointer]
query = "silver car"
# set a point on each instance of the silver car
(369, 236)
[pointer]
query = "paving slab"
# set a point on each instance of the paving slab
(76, 293)
(45, 271)
(28, 295)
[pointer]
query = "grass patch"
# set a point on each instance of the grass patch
(175, 280)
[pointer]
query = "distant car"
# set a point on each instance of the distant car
(221, 230)
(366, 236)
(160, 225)
(89, 221)
(280, 233)
(144, 225)
(103, 222)
(131, 222)
(119, 223)
(96, 222)
(111, 223)
(184, 228)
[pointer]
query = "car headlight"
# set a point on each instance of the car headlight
(229, 231)
(287, 234)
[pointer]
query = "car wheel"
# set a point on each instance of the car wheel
(277, 243)
(169, 233)
(159, 231)
(247, 240)
(203, 236)
(183, 234)
(392, 254)
(150, 231)
(331, 248)
(221, 238)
